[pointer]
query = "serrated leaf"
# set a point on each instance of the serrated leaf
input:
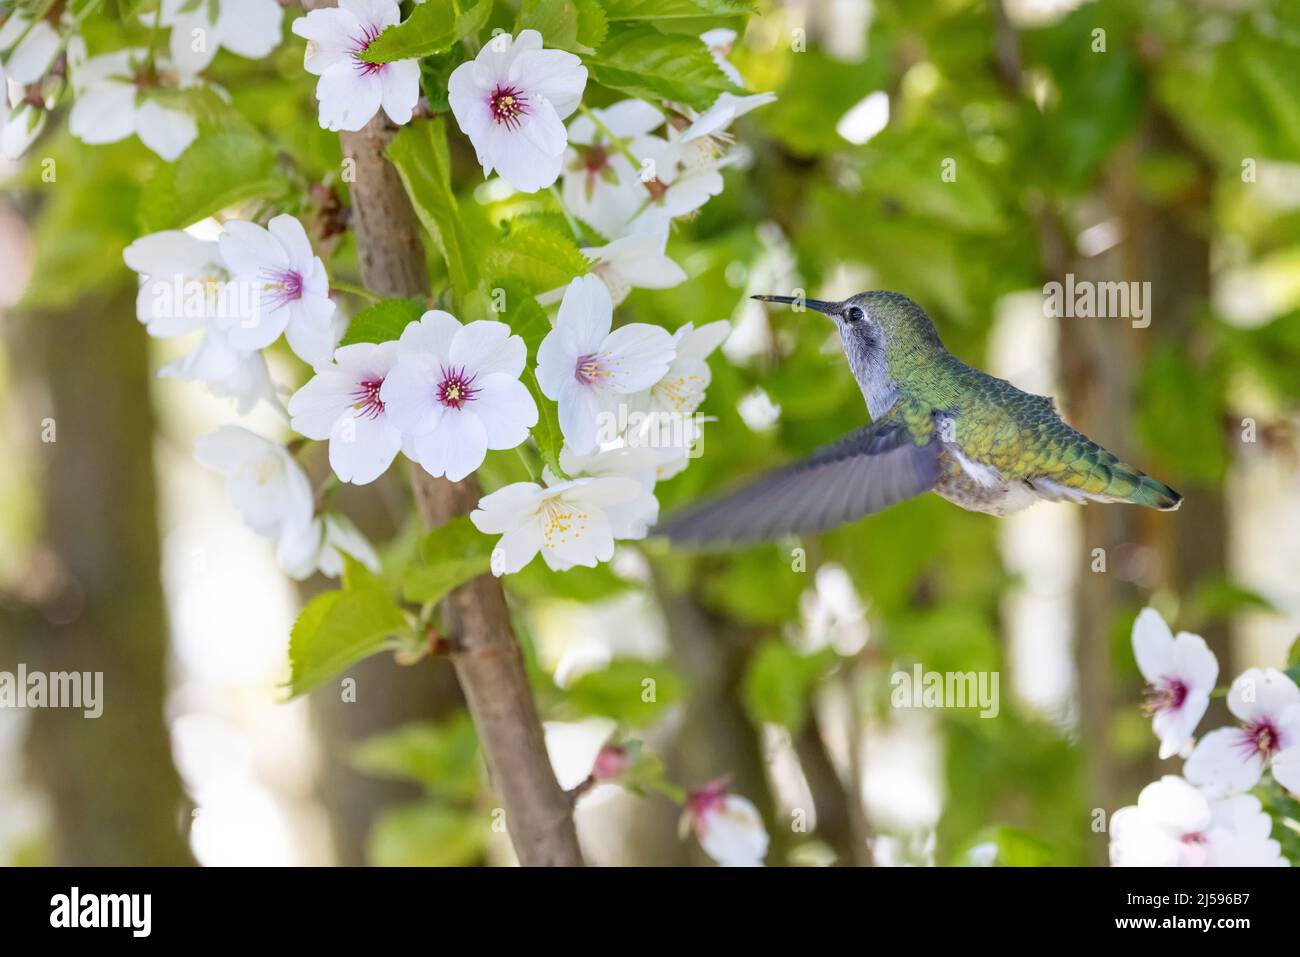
(546, 433)
(427, 835)
(629, 690)
(618, 10)
(384, 321)
(449, 556)
(779, 681)
(443, 757)
(419, 151)
(536, 257)
(339, 628)
(644, 63)
(433, 27)
(216, 172)
(575, 25)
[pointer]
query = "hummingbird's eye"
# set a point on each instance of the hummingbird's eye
(854, 314)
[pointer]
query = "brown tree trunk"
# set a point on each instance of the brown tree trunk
(488, 661)
(115, 795)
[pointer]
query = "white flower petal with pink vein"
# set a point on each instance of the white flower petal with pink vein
(1224, 763)
(341, 403)
(455, 448)
(506, 409)
(351, 91)
(455, 392)
(510, 101)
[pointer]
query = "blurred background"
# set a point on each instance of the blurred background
(1155, 142)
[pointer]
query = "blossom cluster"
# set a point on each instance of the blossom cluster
(1206, 817)
(131, 91)
(444, 393)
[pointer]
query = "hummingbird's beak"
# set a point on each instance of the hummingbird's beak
(820, 305)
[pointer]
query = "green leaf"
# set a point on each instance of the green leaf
(443, 757)
(384, 321)
(644, 63)
(536, 257)
(428, 835)
(576, 25)
(419, 151)
(629, 690)
(433, 27)
(449, 556)
(1293, 656)
(617, 10)
(778, 683)
(1015, 848)
(214, 173)
(339, 628)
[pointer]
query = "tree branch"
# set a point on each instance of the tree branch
(488, 660)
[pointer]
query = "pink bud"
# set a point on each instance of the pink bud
(611, 762)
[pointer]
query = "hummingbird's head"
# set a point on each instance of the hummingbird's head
(881, 323)
(881, 332)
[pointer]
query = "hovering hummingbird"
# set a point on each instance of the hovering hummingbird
(937, 425)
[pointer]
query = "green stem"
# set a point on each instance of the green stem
(153, 36)
(355, 290)
(568, 216)
(615, 141)
(532, 472)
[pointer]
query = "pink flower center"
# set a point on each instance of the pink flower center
(456, 388)
(365, 399)
(588, 370)
(708, 800)
(281, 286)
(1261, 738)
(508, 104)
(1167, 694)
(360, 45)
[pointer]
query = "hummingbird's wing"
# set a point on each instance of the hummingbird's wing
(866, 471)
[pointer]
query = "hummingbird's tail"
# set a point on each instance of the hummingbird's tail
(1155, 494)
(1102, 477)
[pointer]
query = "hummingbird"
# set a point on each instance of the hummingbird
(937, 425)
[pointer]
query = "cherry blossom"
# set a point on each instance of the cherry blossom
(681, 390)
(686, 175)
(688, 165)
(635, 262)
(455, 392)
(35, 45)
(568, 522)
(510, 101)
(1180, 672)
(634, 518)
(1175, 825)
(728, 826)
(1232, 760)
(720, 43)
(249, 28)
(266, 485)
(350, 90)
(21, 127)
(319, 546)
(601, 186)
(119, 94)
(291, 290)
(185, 291)
(587, 368)
(341, 403)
